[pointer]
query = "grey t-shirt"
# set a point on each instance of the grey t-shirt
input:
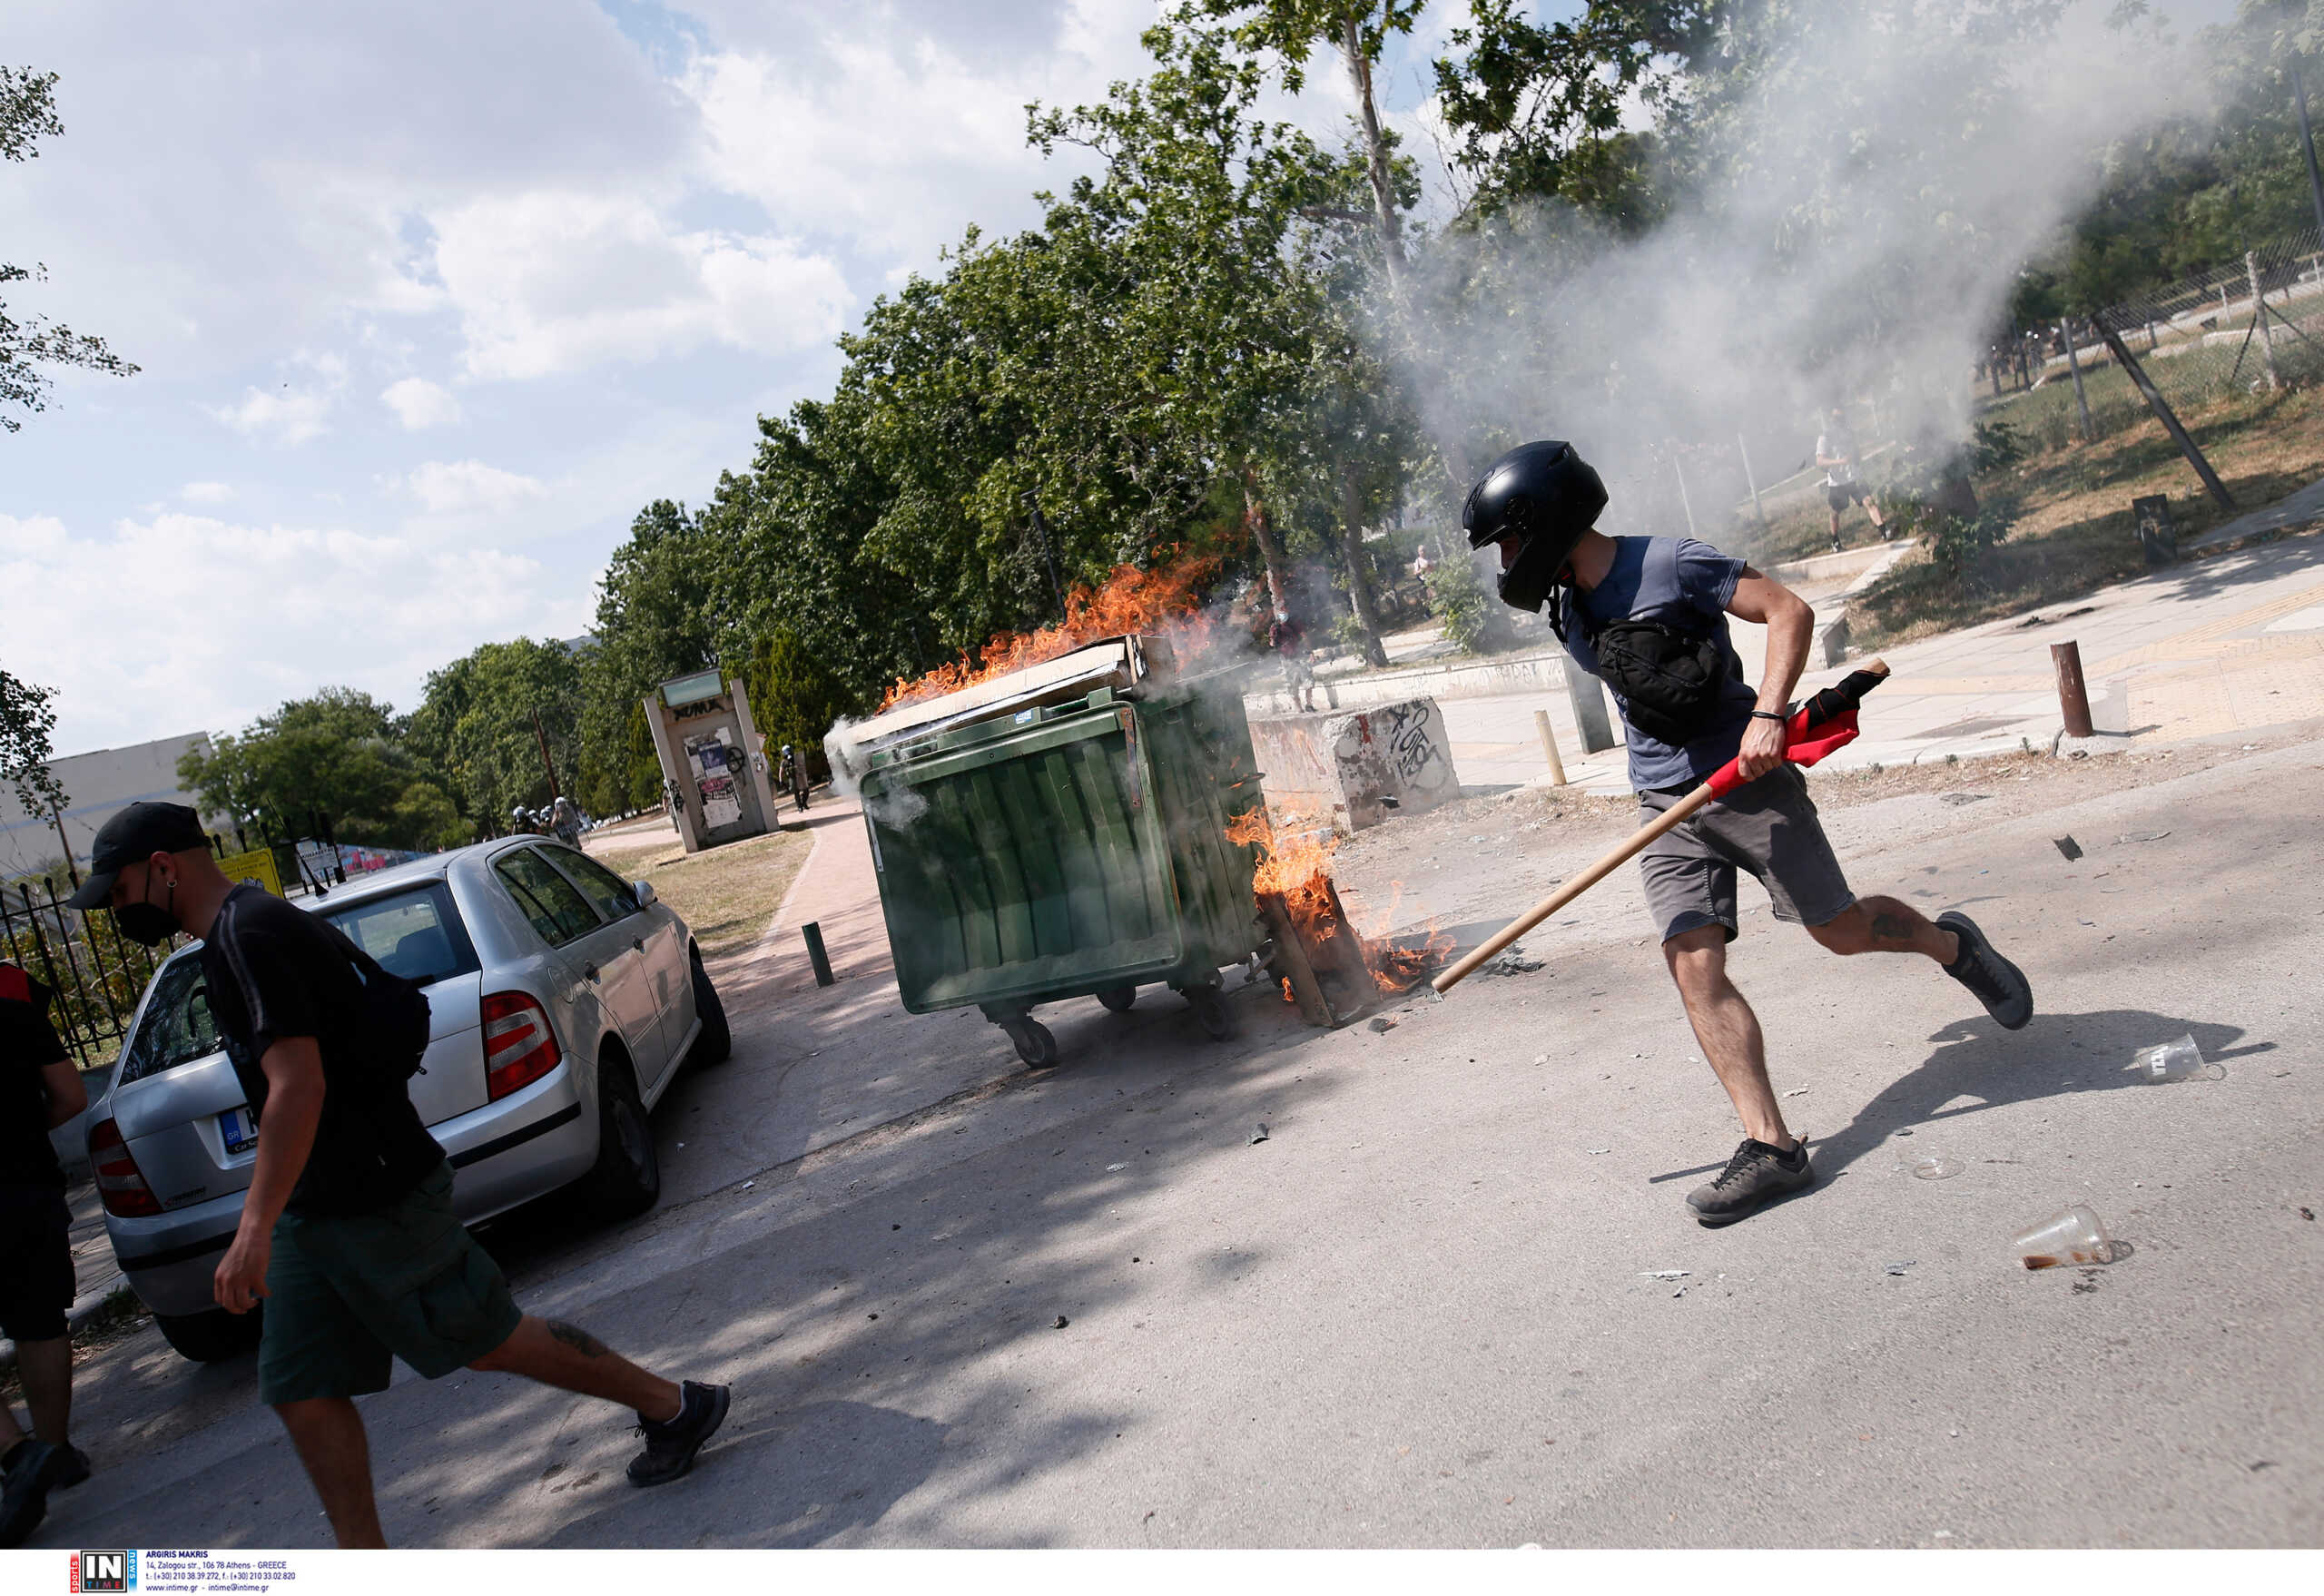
(1685, 585)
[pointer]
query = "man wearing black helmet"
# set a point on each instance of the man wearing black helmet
(1648, 616)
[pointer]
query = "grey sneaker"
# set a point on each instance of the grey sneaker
(1999, 985)
(1757, 1174)
(670, 1446)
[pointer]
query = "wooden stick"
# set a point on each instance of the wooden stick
(1629, 849)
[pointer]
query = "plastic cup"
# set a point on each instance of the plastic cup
(2073, 1235)
(1928, 1165)
(2179, 1060)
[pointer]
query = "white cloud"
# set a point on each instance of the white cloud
(549, 282)
(455, 487)
(293, 608)
(420, 404)
(289, 418)
(206, 492)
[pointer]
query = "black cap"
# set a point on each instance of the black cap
(138, 831)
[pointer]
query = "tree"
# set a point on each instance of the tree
(333, 760)
(26, 722)
(476, 725)
(794, 699)
(27, 115)
(655, 621)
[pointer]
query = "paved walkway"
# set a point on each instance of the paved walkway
(2233, 643)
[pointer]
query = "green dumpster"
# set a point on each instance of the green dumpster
(1062, 832)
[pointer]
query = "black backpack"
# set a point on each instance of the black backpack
(394, 1022)
(1668, 679)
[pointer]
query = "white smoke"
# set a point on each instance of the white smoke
(1900, 160)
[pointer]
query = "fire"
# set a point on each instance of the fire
(1131, 600)
(1300, 870)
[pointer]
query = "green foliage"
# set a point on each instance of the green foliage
(655, 621)
(475, 724)
(337, 756)
(26, 722)
(1994, 445)
(794, 700)
(28, 115)
(1469, 610)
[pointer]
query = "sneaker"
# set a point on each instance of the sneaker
(71, 1467)
(24, 1495)
(2000, 985)
(1756, 1174)
(670, 1446)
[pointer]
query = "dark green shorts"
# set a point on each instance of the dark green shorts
(346, 1295)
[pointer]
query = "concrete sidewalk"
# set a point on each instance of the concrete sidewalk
(2233, 643)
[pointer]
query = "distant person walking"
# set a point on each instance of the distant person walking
(1288, 638)
(791, 777)
(347, 1228)
(1835, 452)
(565, 820)
(39, 1090)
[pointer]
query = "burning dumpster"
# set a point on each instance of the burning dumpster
(1060, 832)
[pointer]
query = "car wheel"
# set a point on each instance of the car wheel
(713, 1041)
(627, 1178)
(210, 1337)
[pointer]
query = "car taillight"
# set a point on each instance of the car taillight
(518, 1046)
(121, 1187)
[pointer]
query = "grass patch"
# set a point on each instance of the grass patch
(726, 894)
(2074, 531)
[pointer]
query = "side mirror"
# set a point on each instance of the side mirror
(643, 893)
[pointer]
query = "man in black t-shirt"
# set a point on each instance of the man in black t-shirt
(39, 1090)
(348, 1229)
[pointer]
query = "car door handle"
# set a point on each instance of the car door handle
(588, 972)
(638, 943)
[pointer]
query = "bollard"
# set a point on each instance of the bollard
(1550, 746)
(2073, 696)
(1590, 717)
(813, 931)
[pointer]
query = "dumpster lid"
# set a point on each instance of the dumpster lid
(1120, 663)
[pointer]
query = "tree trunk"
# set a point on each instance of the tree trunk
(1359, 583)
(1255, 520)
(1390, 230)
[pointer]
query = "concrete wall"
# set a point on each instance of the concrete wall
(1355, 769)
(100, 784)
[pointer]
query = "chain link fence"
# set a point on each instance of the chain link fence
(2242, 329)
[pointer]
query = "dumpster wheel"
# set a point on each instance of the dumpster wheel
(1211, 1007)
(1034, 1043)
(1118, 998)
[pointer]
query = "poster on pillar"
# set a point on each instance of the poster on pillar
(716, 761)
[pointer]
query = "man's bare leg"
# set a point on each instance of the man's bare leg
(1886, 925)
(329, 1433)
(46, 1367)
(571, 1359)
(1727, 1029)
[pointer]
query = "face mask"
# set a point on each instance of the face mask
(146, 923)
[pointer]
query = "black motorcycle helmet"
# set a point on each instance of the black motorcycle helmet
(1546, 497)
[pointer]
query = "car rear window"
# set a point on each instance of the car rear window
(176, 1027)
(415, 934)
(556, 909)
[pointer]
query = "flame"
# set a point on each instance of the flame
(1131, 600)
(1299, 868)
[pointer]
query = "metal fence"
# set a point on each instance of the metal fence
(96, 975)
(2242, 329)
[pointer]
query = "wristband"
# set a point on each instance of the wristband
(1767, 714)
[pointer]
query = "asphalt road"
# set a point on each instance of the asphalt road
(1429, 1308)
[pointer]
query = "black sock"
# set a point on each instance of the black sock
(1794, 1159)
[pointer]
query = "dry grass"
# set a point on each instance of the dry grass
(726, 894)
(2074, 531)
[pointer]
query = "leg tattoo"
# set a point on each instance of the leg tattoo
(578, 1339)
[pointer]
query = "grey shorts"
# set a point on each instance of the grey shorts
(1768, 828)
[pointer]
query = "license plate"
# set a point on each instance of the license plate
(240, 1132)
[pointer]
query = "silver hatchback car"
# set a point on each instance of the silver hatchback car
(561, 998)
